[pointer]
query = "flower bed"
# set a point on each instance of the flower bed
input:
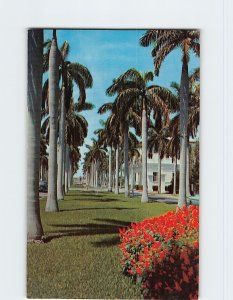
(162, 254)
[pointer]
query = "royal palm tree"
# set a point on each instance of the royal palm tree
(51, 204)
(76, 128)
(35, 71)
(135, 95)
(193, 120)
(127, 117)
(69, 73)
(165, 41)
(110, 136)
(95, 154)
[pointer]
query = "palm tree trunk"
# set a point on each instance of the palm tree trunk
(52, 205)
(117, 171)
(121, 176)
(60, 192)
(69, 173)
(159, 173)
(144, 156)
(175, 171)
(92, 175)
(126, 161)
(66, 168)
(110, 170)
(132, 175)
(96, 173)
(87, 178)
(41, 171)
(187, 172)
(184, 98)
(35, 71)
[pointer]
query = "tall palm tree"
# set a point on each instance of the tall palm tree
(80, 75)
(70, 73)
(35, 71)
(166, 41)
(61, 147)
(51, 204)
(132, 88)
(110, 136)
(193, 120)
(126, 115)
(76, 127)
(96, 153)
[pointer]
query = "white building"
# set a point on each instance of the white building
(167, 171)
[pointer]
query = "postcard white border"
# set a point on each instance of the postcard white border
(212, 18)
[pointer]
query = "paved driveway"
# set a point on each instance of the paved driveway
(168, 199)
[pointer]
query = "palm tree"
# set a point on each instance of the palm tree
(110, 136)
(193, 120)
(61, 147)
(35, 71)
(52, 205)
(122, 108)
(70, 73)
(133, 91)
(166, 41)
(96, 153)
(75, 132)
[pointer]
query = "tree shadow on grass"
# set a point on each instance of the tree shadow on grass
(107, 242)
(96, 198)
(114, 221)
(88, 230)
(97, 208)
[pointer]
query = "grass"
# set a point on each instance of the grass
(80, 258)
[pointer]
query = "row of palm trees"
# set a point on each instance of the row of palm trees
(158, 115)
(136, 101)
(54, 122)
(163, 134)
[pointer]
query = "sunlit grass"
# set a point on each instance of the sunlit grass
(80, 258)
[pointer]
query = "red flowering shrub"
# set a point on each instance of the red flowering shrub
(162, 254)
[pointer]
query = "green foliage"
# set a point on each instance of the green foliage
(80, 258)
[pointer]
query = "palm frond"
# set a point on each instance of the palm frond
(149, 76)
(65, 49)
(161, 55)
(149, 37)
(83, 106)
(105, 107)
(79, 70)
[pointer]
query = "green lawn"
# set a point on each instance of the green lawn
(81, 257)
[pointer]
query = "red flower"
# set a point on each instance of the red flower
(166, 247)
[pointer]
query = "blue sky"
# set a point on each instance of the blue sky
(109, 53)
